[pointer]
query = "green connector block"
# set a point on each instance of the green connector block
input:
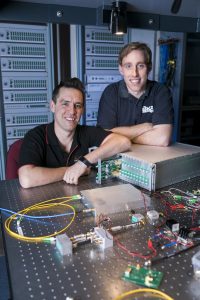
(76, 197)
(142, 276)
(177, 197)
(192, 201)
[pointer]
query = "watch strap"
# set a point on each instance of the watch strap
(85, 161)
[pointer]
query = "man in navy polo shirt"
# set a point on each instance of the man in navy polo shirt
(59, 150)
(136, 107)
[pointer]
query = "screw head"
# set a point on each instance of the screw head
(59, 14)
(151, 21)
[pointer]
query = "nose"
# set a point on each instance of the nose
(134, 71)
(72, 108)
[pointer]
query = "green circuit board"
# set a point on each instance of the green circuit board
(143, 276)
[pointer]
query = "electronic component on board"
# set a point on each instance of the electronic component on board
(183, 235)
(172, 225)
(108, 168)
(152, 216)
(137, 218)
(143, 276)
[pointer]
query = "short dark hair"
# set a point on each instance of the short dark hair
(128, 48)
(74, 83)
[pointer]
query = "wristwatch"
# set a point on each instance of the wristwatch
(85, 161)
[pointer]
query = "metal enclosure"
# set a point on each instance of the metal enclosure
(153, 167)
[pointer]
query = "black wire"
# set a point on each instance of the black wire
(155, 261)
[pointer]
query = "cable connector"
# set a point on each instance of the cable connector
(87, 210)
(105, 239)
(76, 197)
(50, 240)
(19, 229)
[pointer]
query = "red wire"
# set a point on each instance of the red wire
(135, 254)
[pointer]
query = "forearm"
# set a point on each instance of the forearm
(133, 131)
(31, 176)
(113, 144)
(160, 135)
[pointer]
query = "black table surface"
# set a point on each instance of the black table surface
(37, 271)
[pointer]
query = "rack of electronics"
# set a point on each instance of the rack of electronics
(101, 65)
(26, 79)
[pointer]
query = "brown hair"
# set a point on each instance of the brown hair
(128, 48)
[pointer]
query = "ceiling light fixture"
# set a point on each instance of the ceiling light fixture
(118, 18)
(176, 6)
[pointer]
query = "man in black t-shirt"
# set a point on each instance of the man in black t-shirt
(59, 150)
(136, 107)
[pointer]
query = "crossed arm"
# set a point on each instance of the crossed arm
(31, 176)
(147, 134)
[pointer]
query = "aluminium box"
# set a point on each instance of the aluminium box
(153, 167)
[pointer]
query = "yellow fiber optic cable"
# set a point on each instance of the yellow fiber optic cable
(42, 205)
(144, 290)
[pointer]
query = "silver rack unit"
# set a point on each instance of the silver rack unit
(153, 167)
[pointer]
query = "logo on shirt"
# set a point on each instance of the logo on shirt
(146, 109)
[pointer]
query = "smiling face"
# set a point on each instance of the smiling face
(135, 72)
(67, 109)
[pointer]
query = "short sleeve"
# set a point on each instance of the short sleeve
(163, 106)
(107, 112)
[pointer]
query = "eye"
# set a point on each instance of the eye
(128, 66)
(78, 105)
(141, 66)
(65, 103)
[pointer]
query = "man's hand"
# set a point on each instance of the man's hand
(73, 173)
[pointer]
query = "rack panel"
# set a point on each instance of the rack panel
(27, 108)
(19, 50)
(22, 33)
(101, 34)
(17, 132)
(99, 63)
(23, 65)
(102, 49)
(24, 83)
(22, 119)
(24, 97)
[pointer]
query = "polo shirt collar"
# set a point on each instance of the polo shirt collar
(124, 91)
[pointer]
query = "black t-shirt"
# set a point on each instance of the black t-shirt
(41, 146)
(118, 107)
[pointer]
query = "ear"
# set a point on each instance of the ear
(121, 70)
(52, 106)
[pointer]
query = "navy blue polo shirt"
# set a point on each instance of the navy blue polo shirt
(41, 146)
(118, 107)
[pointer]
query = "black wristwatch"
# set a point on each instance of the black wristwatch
(85, 161)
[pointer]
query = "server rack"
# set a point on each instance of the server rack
(26, 80)
(101, 65)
